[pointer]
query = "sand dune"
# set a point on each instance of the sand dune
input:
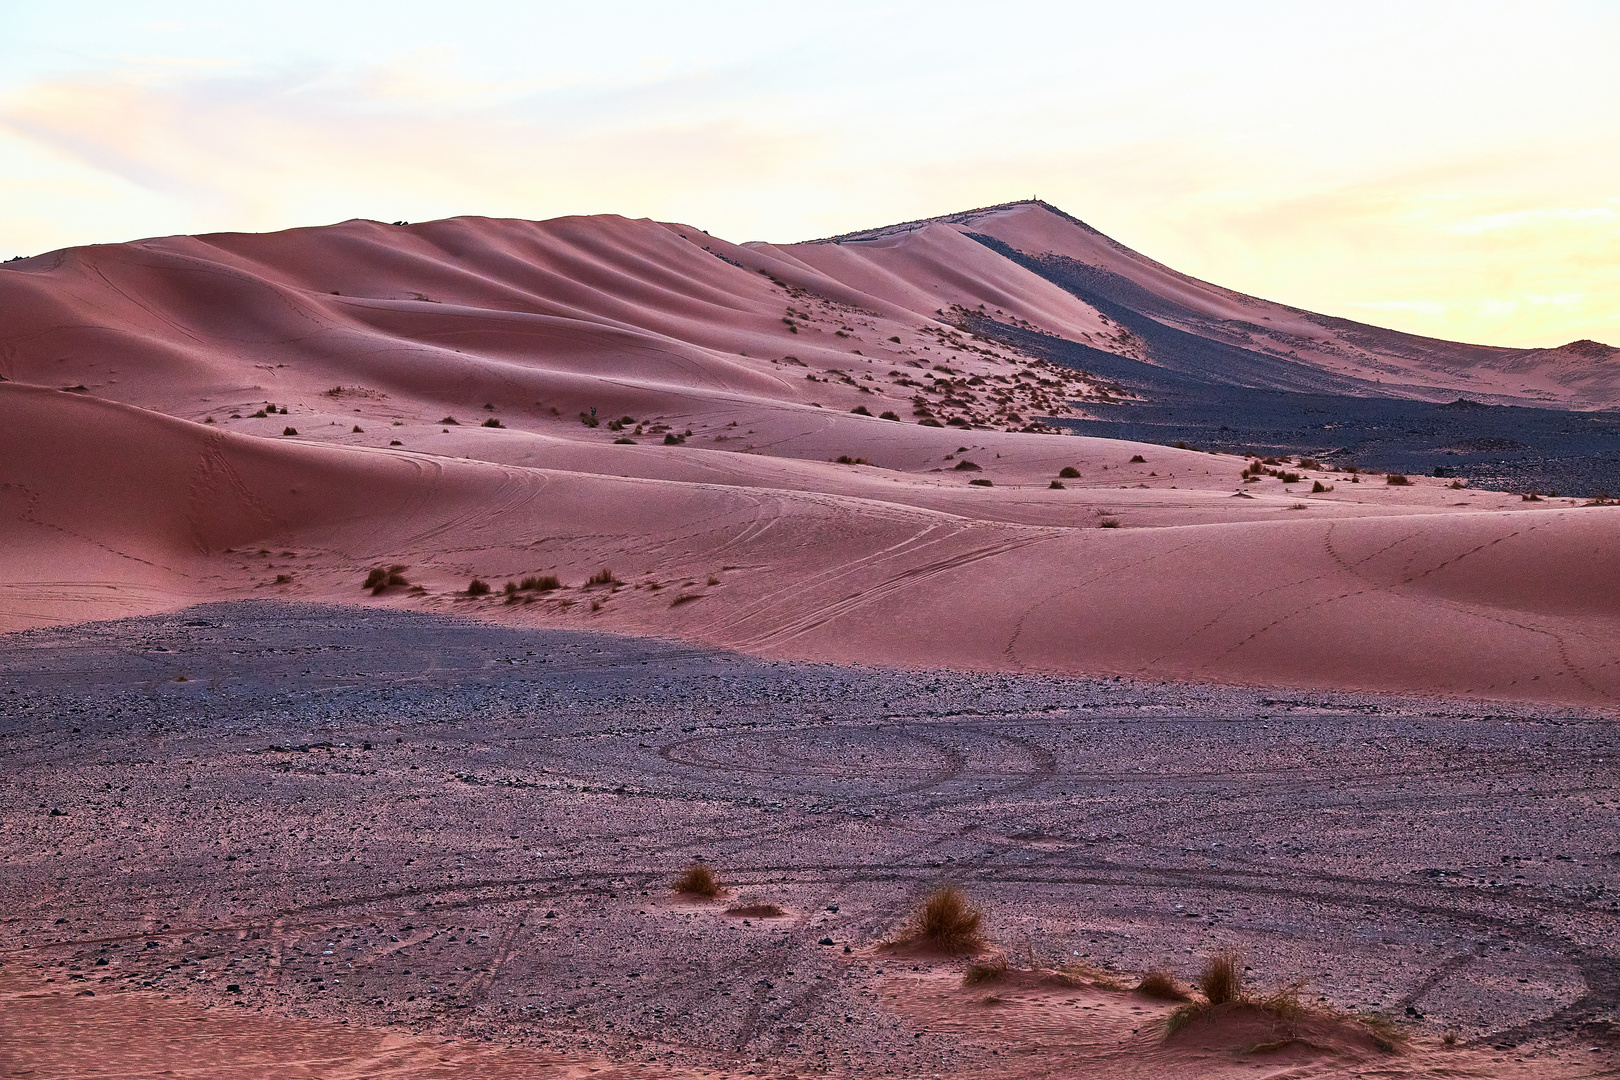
(651, 399)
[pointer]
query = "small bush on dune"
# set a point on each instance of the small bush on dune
(1108, 523)
(1317, 487)
(1069, 472)
(889, 416)
(992, 970)
(1222, 978)
(861, 410)
(1137, 459)
(1056, 485)
(289, 431)
(981, 483)
(1162, 985)
(1395, 479)
(757, 911)
(492, 422)
(698, 880)
(477, 588)
(382, 578)
(948, 921)
(540, 584)
(603, 576)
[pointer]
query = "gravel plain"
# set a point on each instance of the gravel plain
(436, 825)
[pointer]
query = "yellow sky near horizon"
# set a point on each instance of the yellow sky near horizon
(1441, 167)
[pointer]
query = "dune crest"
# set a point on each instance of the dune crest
(193, 418)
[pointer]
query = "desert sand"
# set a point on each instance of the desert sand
(791, 570)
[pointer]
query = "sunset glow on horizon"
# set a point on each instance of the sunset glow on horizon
(1445, 168)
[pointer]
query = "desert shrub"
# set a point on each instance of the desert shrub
(1069, 472)
(477, 588)
(510, 588)
(1317, 487)
(603, 576)
(492, 422)
(289, 431)
(685, 598)
(1530, 497)
(624, 442)
(283, 579)
(992, 970)
(698, 880)
(1456, 485)
(1162, 985)
(888, 416)
(757, 911)
(589, 419)
(861, 410)
(1138, 459)
(537, 583)
(673, 439)
(1309, 463)
(980, 482)
(358, 430)
(450, 420)
(929, 421)
(395, 442)
(381, 578)
(1222, 978)
(895, 339)
(845, 459)
(1108, 523)
(1056, 485)
(966, 466)
(1396, 479)
(1288, 477)
(947, 920)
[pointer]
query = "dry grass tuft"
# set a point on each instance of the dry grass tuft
(476, 587)
(603, 576)
(536, 583)
(992, 970)
(698, 880)
(948, 921)
(1162, 985)
(1222, 978)
(757, 911)
(383, 578)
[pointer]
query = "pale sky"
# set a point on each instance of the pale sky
(1443, 167)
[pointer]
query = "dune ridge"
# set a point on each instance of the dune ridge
(228, 416)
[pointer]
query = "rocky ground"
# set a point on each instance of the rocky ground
(409, 823)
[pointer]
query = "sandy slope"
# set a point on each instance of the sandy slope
(144, 460)
(112, 509)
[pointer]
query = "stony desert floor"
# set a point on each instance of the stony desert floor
(254, 838)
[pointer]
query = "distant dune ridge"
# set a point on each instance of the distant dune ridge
(196, 418)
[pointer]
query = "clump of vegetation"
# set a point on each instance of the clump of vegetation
(589, 419)
(358, 430)
(1056, 485)
(980, 482)
(1137, 459)
(450, 420)
(1396, 479)
(492, 422)
(1222, 978)
(986, 971)
(382, 578)
(673, 439)
(1530, 497)
(891, 415)
(1069, 472)
(603, 576)
(477, 588)
(966, 466)
(1108, 523)
(536, 583)
(624, 442)
(1162, 985)
(1317, 487)
(756, 911)
(698, 880)
(289, 431)
(283, 579)
(845, 459)
(861, 410)
(948, 921)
